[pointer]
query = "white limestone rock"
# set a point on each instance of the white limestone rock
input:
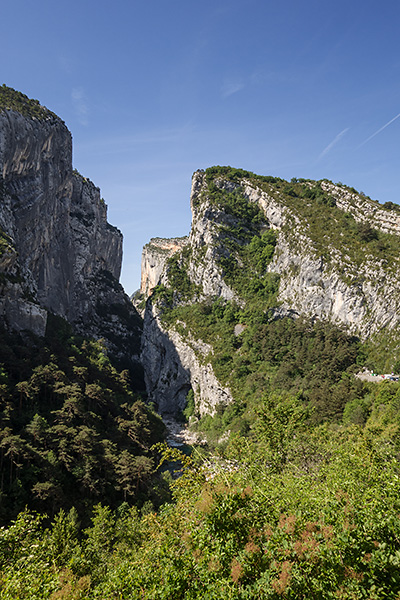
(154, 256)
(174, 364)
(364, 298)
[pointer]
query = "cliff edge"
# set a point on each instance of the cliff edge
(58, 252)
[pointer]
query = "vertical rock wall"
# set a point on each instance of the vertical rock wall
(64, 253)
(173, 364)
(154, 256)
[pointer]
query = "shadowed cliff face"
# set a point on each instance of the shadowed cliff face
(173, 365)
(56, 218)
(63, 255)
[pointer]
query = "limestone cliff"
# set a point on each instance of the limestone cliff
(322, 278)
(336, 258)
(154, 256)
(320, 273)
(59, 253)
(173, 364)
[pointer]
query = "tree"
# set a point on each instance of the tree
(37, 428)
(132, 472)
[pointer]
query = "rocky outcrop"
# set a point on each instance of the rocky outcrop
(205, 243)
(62, 255)
(175, 363)
(363, 209)
(19, 308)
(363, 297)
(366, 303)
(154, 256)
(319, 277)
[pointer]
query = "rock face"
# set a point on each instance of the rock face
(59, 253)
(173, 365)
(329, 285)
(328, 269)
(154, 256)
(324, 284)
(205, 241)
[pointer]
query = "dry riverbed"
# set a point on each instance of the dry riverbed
(178, 434)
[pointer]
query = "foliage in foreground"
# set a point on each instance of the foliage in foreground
(322, 523)
(293, 509)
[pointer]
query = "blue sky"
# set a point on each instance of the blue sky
(153, 91)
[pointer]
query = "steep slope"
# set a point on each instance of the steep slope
(58, 251)
(336, 255)
(260, 252)
(155, 255)
(74, 430)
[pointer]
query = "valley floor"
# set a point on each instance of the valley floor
(179, 434)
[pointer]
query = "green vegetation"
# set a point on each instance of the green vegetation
(325, 225)
(6, 243)
(320, 219)
(10, 99)
(245, 269)
(189, 411)
(180, 288)
(72, 430)
(235, 204)
(291, 513)
(314, 362)
(297, 495)
(391, 206)
(237, 175)
(178, 278)
(247, 245)
(255, 353)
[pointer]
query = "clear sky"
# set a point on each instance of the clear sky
(153, 91)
